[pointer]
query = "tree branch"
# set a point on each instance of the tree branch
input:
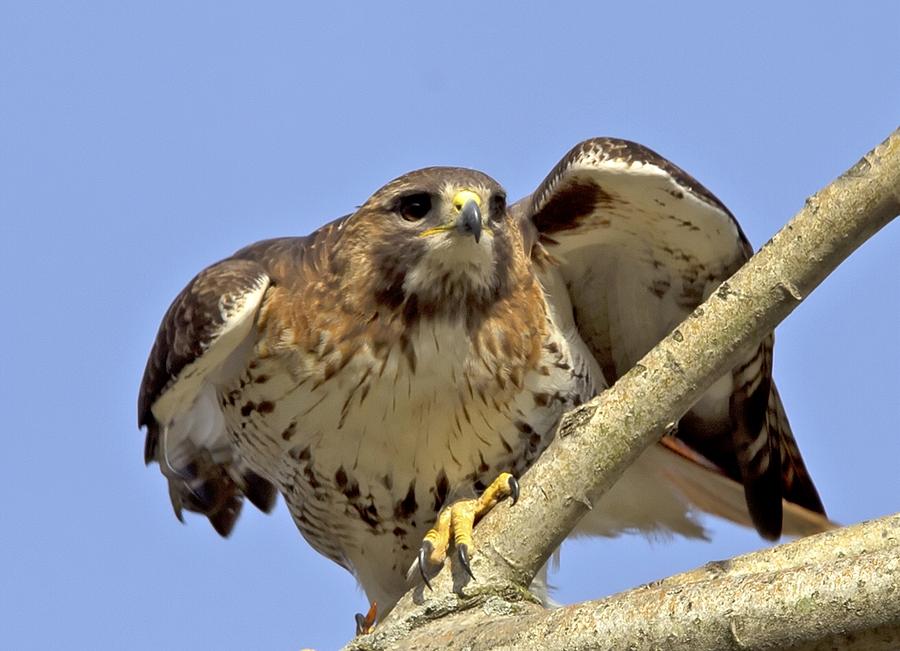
(600, 439)
(837, 590)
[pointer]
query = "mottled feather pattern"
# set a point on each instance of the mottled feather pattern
(598, 151)
(585, 206)
(199, 482)
(389, 363)
(192, 321)
(357, 330)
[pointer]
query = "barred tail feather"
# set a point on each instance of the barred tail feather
(768, 458)
(797, 484)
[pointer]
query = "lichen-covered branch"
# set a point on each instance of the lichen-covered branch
(600, 439)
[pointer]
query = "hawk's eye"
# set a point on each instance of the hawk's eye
(498, 206)
(413, 207)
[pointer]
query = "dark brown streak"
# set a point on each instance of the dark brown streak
(569, 205)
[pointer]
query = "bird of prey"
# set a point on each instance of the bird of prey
(421, 351)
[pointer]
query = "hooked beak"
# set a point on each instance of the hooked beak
(469, 219)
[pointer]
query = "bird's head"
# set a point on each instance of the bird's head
(441, 235)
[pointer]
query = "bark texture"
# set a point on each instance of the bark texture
(837, 590)
(808, 594)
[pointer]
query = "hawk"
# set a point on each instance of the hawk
(401, 358)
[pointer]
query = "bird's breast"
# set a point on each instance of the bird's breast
(374, 445)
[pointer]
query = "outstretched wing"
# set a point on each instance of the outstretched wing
(639, 244)
(204, 336)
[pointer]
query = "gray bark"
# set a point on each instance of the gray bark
(818, 598)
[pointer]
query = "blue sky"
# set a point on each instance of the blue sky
(141, 141)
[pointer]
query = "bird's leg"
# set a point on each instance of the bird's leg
(458, 520)
(366, 623)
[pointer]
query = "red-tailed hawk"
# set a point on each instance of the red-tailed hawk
(409, 353)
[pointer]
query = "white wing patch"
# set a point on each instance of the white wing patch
(651, 190)
(640, 244)
(635, 269)
(188, 408)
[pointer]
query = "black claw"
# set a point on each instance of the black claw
(366, 623)
(514, 489)
(463, 553)
(422, 554)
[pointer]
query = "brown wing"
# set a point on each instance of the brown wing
(208, 324)
(639, 244)
(202, 341)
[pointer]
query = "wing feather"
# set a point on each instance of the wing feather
(713, 491)
(640, 243)
(203, 342)
(201, 339)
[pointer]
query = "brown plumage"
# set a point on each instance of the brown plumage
(406, 354)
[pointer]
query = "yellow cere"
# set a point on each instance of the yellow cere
(461, 197)
(459, 200)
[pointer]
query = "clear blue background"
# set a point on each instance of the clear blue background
(141, 141)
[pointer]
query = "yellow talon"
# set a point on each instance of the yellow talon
(439, 537)
(459, 519)
(504, 486)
